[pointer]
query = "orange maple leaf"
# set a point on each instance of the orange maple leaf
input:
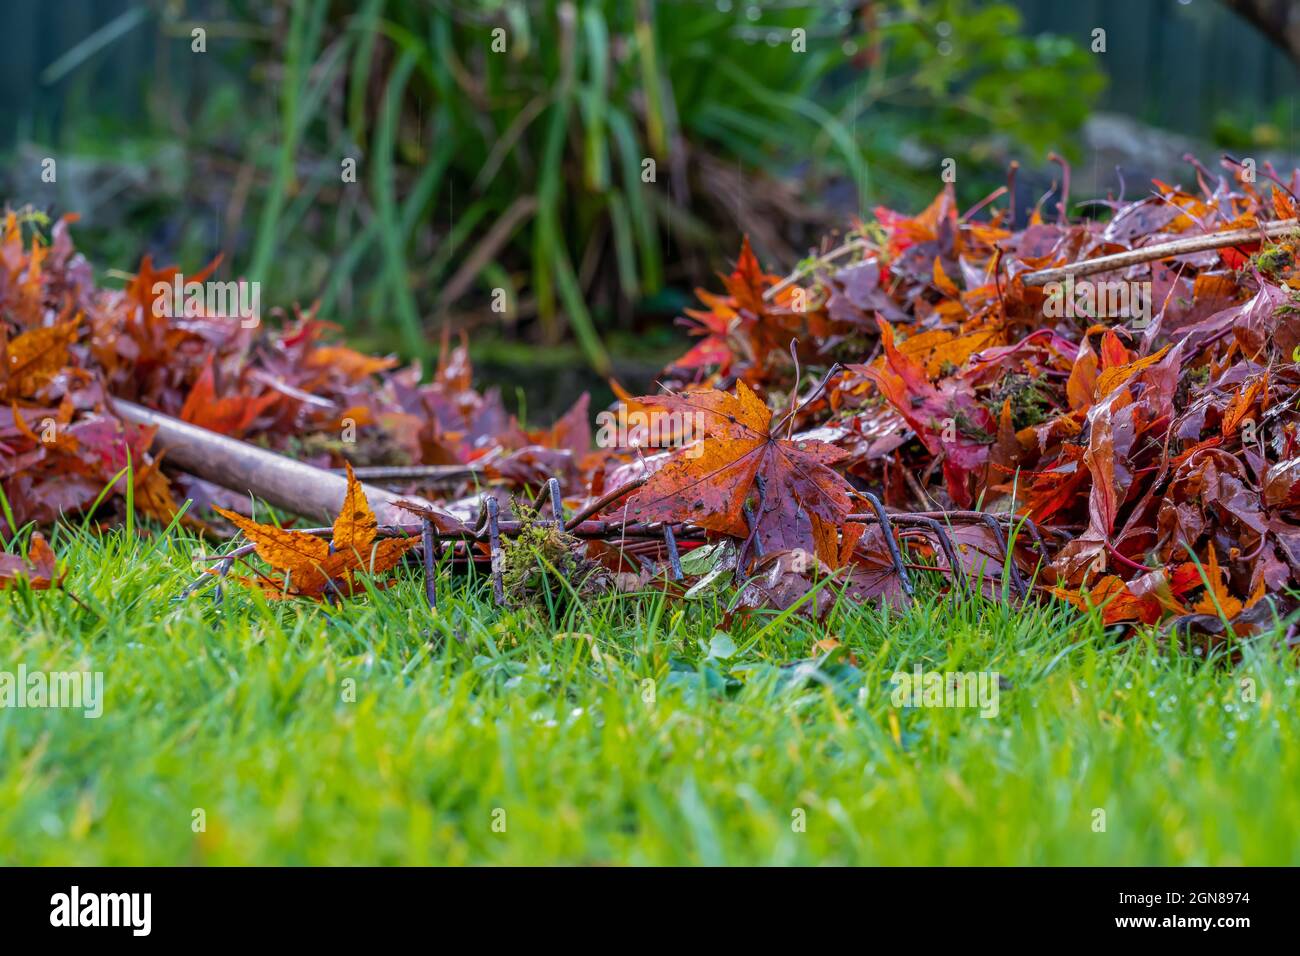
(1217, 599)
(314, 568)
(33, 358)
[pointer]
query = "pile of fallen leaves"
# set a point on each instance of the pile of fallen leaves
(68, 347)
(1162, 444)
(1156, 449)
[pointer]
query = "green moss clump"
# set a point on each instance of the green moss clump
(1031, 403)
(544, 566)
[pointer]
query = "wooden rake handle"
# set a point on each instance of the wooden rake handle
(243, 468)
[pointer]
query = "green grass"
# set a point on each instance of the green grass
(240, 711)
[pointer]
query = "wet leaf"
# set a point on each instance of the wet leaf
(315, 568)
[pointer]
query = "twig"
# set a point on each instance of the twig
(82, 604)
(1162, 250)
(796, 406)
(841, 250)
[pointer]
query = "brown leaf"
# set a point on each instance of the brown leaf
(708, 482)
(39, 569)
(31, 359)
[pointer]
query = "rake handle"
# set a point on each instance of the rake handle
(291, 485)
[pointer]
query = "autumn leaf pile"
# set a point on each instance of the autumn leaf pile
(1162, 459)
(68, 347)
(1165, 453)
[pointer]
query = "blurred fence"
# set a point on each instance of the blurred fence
(37, 103)
(1179, 65)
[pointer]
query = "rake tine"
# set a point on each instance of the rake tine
(752, 517)
(557, 502)
(430, 545)
(605, 500)
(761, 483)
(494, 549)
(1032, 528)
(193, 586)
(748, 512)
(751, 541)
(887, 532)
(1035, 532)
(204, 579)
(334, 596)
(647, 565)
(945, 542)
(223, 568)
(674, 559)
(1016, 579)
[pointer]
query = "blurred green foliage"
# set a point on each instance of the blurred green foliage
(585, 157)
(1255, 126)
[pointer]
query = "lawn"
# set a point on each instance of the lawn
(625, 731)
